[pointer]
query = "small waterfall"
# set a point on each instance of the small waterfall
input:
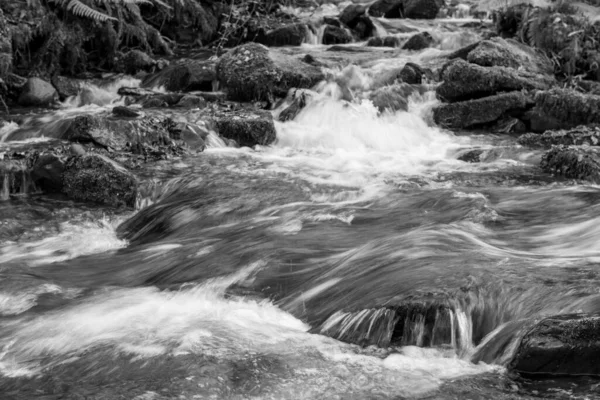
(314, 34)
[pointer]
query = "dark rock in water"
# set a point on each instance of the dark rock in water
(135, 91)
(419, 41)
(350, 15)
(580, 136)
(471, 156)
(332, 21)
(567, 345)
(386, 41)
(212, 96)
(509, 125)
(412, 73)
(471, 113)
(154, 102)
(288, 35)
(300, 98)
(422, 9)
(253, 72)
(193, 135)
(97, 178)
(246, 127)
(498, 52)
(364, 28)
(184, 76)
(463, 81)
(47, 173)
(336, 35)
(135, 61)
(568, 108)
(66, 87)
(395, 97)
(121, 111)
(573, 162)
(348, 49)
(387, 8)
(191, 101)
(161, 100)
(37, 92)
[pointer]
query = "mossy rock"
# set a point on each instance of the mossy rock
(579, 136)
(287, 35)
(96, 178)
(245, 127)
(253, 72)
(568, 107)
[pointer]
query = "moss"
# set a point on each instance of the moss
(247, 128)
(569, 106)
(573, 163)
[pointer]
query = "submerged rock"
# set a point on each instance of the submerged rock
(246, 127)
(184, 76)
(419, 41)
(463, 81)
(582, 135)
(37, 92)
(97, 178)
(573, 162)
(467, 114)
(287, 35)
(253, 72)
(561, 345)
(386, 41)
(336, 35)
(566, 108)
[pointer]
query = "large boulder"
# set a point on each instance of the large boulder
(463, 81)
(245, 127)
(394, 97)
(351, 14)
(567, 108)
(37, 92)
(387, 8)
(560, 345)
(419, 41)
(287, 35)
(97, 178)
(573, 162)
(579, 136)
(422, 9)
(184, 76)
(253, 72)
(336, 35)
(471, 113)
(66, 87)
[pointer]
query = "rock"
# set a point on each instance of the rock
(288, 35)
(246, 127)
(336, 35)
(471, 113)
(47, 173)
(193, 135)
(37, 92)
(463, 81)
(573, 162)
(97, 178)
(192, 101)
(386, 41)
(135, 61)
(135, 91)
(568, 108)
(76, 149)
(395, 97)
(121, 111)
(184, 76)
(580, 136)
(412, 73)
(498, 52)
(422, 9)
(419, 41)
(350, 15)
(299, 99)
(364, 28)
(66, 87)
(253, 72)
(387, 8)
(471, 156)
(332, 21)
(567, 345)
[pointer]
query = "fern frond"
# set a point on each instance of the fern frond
(81, 10)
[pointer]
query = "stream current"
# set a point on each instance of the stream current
(355, 258)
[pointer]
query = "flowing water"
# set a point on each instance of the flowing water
(356, 258)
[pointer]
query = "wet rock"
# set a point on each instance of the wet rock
(47, 173)
(573, 162)
(332, 21)
(471, 156)
(419, 41)
(350, 15)
(135, 91)
(184, 76)
(471, 113)
(66, 87)
(121, 111)
(135, 61)
(386, 41)
(288, 35)
(566, 108)
(160, 100)
(76, 149)
(412, 73)
(463, 81)
(191, 101)
(37, 92)
(336, 35)
(579, 136)
(395, 97)
(299, 98)
(387, 8)
(498, 52)
(193, 135)
(567, 345)
(97, 178)
(246, 127)
(422, 9)
(253, 72)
